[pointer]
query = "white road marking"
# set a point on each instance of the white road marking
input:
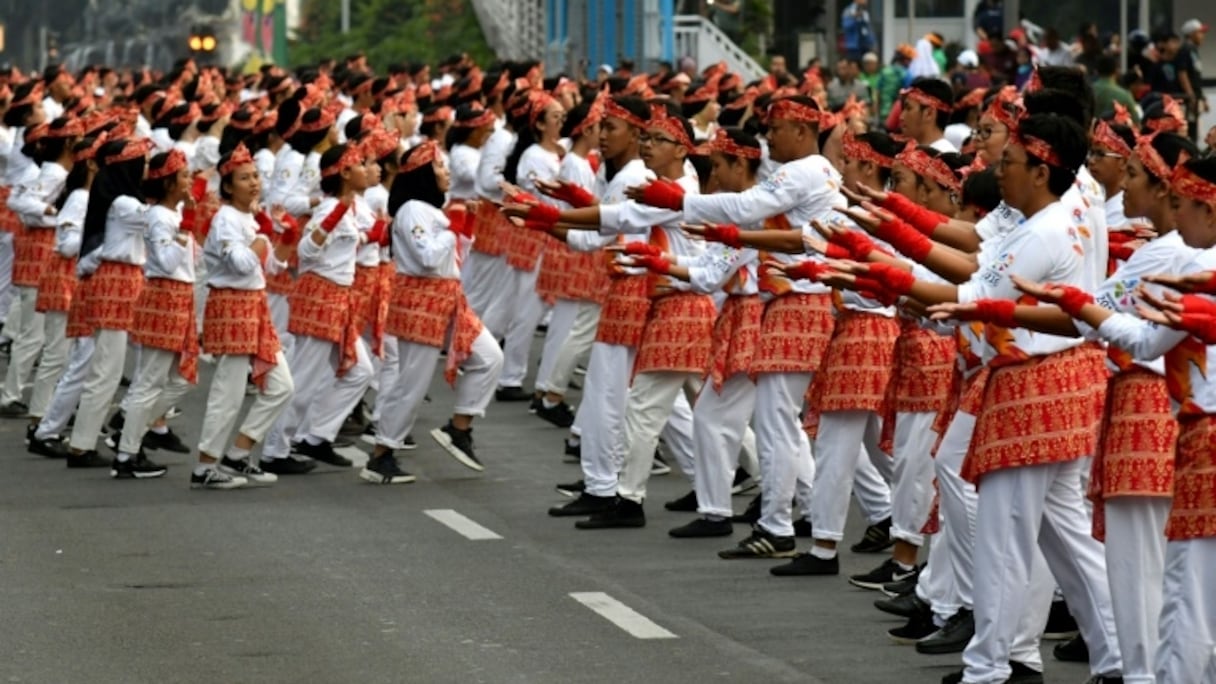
(462, 525)
(621, 615)
(357, 456)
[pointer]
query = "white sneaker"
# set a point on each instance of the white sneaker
(245, 469)
(214, 479)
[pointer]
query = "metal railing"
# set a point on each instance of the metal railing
(697, 37)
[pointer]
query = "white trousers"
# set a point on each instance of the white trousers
(1135, 564)
(416, 365)
(7, 293)
(227, 395)
(100, 384)
(650, 406)
(324, 400)
(912, 484)
(871, 488)
(779, 446)
(935, 584)
(677, 436)
(1187, 652)
(1020, 510)
(529, 309)
(720, 430)
(54, 361)
(844, 439)
(27, 343)
(386, 375)
(605, 395)
(487, 282)
(157, 386)
(571, 332)
(957, 506)
(67, 390)
(280, 315)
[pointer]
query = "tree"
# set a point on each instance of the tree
(390, 31)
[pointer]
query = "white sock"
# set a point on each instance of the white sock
(573, 441)
(237, 453)
(549, 404)
(313, 440)
(905, 567)
(202, 468)
(123, 458)
(821, 552)
(159, 429)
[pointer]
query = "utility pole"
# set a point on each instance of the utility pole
(345, 16)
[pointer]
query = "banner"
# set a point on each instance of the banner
(264, 26)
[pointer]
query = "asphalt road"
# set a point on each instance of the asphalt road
(323, 578)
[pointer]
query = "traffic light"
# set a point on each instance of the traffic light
(202, 39)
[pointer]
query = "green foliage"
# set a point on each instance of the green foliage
(757, 17)
(390, 31)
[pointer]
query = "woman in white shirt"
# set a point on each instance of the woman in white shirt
(427, 313)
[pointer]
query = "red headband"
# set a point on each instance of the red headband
(36, 133)
(424, 154)
(266, 123)
(749, 96)
(322, 123)
(863, 151)
(975, 98)
(174, 163)
(90, 152)
(1003, 109)
(933, 168)
(485, 118)
(133, 149)
(722, 143)
(1037, 148)
(853, 108)
(1152, 160)
(1106, 136)
(671, 125)
(192, 113)
(1187, 184)
(1174, 119)
(440, 114)
(364, 87)
(612, 110)
(536, 107)
(786, 109)
(72, 129)
(380, 143)
(34, 95)
(925, 99)
(1122, 116)
(353, 156)
(239, 157)
(594, 115)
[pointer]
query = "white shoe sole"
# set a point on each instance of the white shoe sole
(568, 493)
(744, 487)
(250, 480)
(442, 439)
(236, 483)
(657, 470)
(140, 476)
(376, 478)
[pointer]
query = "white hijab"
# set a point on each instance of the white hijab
(924, 66)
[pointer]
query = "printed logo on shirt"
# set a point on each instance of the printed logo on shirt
(773, 182)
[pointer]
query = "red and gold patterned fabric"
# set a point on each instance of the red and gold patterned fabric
(9, 221)
(56, 285)
(924, 374)
(283, 282)
(489, 229)
(433, 311)
(736, 338)
(112, 291)
(164, 319)
(1193, 514)
(78, 326)
(678, 335)
(626, 309)
(555, 266)
(369, 291)
(237, 322)
(33, 249)
(523, 246)
(586, 279)
(795, 334)
(328, 311)
(1045, 410)
(856, 368)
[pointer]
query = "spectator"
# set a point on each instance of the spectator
(855, 25)
(924, 66)
(728, 16)
(1089, 54)
(1193, 33)
(688, 67)
(1107, 90)
(1025, 67)
(999, 59)
(972, 77)
(847, 83)
(869, 73)
(778, 75)
(1170, 73)
(938, 41)
(989, 19)
(1053, 52)
(891, 79)
(1210, 141)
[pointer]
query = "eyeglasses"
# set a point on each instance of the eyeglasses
(655, 140)
(985, 133)
(1096, 154)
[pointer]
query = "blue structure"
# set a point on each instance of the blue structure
(605, 31)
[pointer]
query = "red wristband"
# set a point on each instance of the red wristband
(653, 263)
(265, 225)
(546, 214)
(664, 194)
(642, 248)
(905, 239)
(1201, 326)
(727, 234)
(919, 218)
(807, 270)
(998, 312)
(835, 251)
(858, 244)
(896, 280)
(575, 195)
(1073, 300)
(330, 222)
(1199, 306)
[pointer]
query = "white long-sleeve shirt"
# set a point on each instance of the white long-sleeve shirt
(722, 268)
(333, 259)
(6, 146)
(126, 224)
(463, 162)
(377, 200)
(30, 200)
(69, 224)
(21, 169)
(537, 163)
(365, 217)
(167, 257)
(297, 181)
(264, 160)
(638, 221)
(577, 170)
(231, 262)
(609, 192)
(493, 162)
(206, 154)
(423, 245)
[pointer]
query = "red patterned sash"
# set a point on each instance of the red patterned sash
(112, 292)
(736, 338)
(56, 285)
(678, 335)
(164, 319)
(425, 310)
(237, 322)
(33, 249)
(325, 310)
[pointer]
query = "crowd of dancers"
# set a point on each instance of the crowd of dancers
(1003, 348)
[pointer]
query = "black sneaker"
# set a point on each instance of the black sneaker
(953, 637)
(125, 382)
(384, 469)
(535, 404)
(1060, 623)
(138, 468)
(30, 431)
(624, 513)
(904, 606)
(287, 466)
(408, 444)
(247, 469)
(560, 415)
(902, 587)
(805, 564)
(51, 447)
(458, 444)
(168, 441)
(743, 482)
(751, 514)
(1075, 650)
(512, 394)
(886, 573)
(573, 452)
(369, 434)
(6, 348)
(702, 527)
(877, 538)
(16, 409)
(353, 425)
(89, 459)
(585, 504)
(803, 528)
(113, 439)
(323, 452)
(1019, 674)
(571, 490)
(215, 479)
(116, 422)
(684, 504)
(761, 544)
(659, 465)
(918, 627)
